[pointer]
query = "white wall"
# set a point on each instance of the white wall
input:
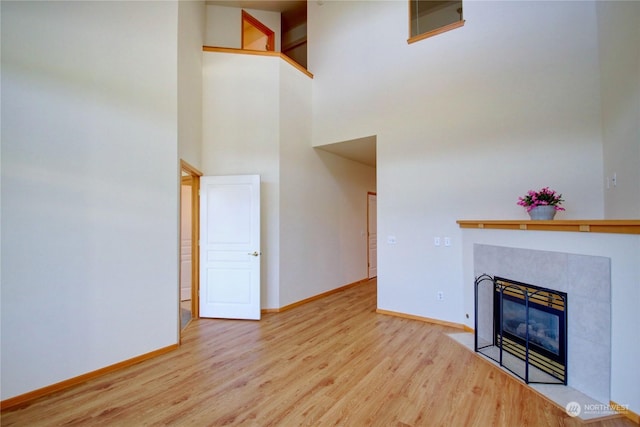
(241, 132)
(224, 25)
(466, 122)
(89, 187)
(624, 252)
(191, 26)
(619, 37)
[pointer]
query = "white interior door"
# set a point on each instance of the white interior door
(230, 247)
(372, 226)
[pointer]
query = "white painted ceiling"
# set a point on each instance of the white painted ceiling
(361, 150)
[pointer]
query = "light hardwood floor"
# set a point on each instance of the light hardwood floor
(333, 361)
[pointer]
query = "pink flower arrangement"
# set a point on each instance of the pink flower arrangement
(544, 197)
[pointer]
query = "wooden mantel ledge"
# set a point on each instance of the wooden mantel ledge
(620, 226)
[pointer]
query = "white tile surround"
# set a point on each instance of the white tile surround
(587, 281)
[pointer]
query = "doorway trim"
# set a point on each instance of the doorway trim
(195, 175)
(246, 17)
(371, 193)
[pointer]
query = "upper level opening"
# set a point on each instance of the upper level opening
(248, 25)
(256, 35)
(428, 18)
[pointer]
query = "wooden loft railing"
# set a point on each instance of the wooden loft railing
(260, 53)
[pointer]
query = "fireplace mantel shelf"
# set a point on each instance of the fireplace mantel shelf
(620, 226)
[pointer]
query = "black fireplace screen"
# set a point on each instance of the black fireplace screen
(528, 322)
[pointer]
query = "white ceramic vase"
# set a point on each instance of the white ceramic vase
(543, 212)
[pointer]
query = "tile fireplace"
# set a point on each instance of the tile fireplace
(597, 263)
(586, 279)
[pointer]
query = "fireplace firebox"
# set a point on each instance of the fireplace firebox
(522, 327)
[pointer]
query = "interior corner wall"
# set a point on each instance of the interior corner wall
(241, 134)
(619, 37)
(224, 25)
(466, 122)
(89, 188)
(191, 27)
(323, 204)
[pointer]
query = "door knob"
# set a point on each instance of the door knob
(255, 253)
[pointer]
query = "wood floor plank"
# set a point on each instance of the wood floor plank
(333, 361)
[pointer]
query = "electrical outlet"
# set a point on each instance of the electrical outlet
(447, 241)
(440, 296)
(436, 241)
